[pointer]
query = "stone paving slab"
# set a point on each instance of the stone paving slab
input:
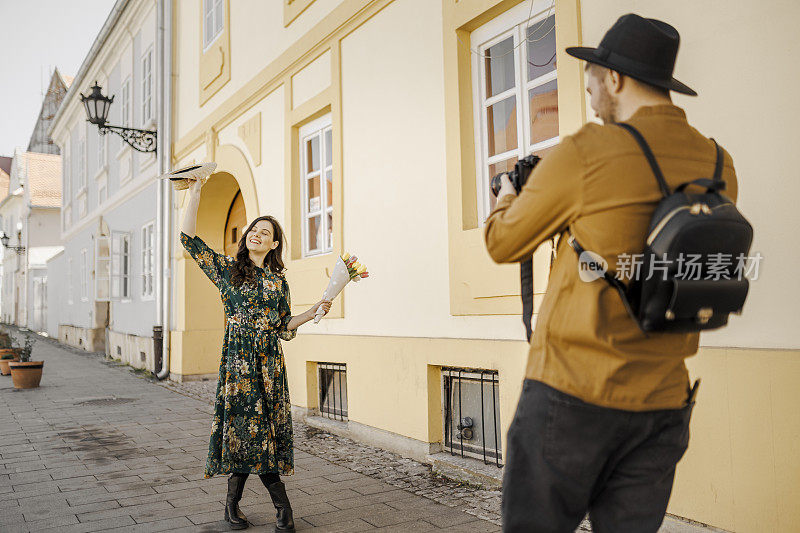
(99, 447)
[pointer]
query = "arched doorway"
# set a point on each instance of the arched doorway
(227, 199)
(235, 225)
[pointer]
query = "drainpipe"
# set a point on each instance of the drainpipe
(164, 40)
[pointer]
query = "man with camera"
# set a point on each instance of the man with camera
(603, 418)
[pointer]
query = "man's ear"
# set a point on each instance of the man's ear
(615, 80)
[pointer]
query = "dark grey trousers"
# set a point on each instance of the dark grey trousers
(566, 457)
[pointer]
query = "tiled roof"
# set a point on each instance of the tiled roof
(44, 179)
(5, 163)
(4, 179)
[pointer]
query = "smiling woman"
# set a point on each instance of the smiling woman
(251, 430)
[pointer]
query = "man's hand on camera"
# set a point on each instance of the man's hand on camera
(506, 187)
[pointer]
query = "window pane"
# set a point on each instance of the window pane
(328, 150)
(501, 119)
(219, 18)
(314, 233)
(314, 200)
(541, 43)
(495, 169)
(544, 112)
(312, 154)
(329, 187)
(209, 27)
(499, 65)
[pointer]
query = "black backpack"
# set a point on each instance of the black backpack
(686, 226)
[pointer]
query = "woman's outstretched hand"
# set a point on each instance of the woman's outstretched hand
(324, 304)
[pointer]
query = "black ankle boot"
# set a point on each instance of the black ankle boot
(283, 517)
(233, 515)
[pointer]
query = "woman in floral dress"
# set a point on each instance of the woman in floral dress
(252, 428)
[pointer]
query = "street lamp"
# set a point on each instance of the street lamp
(4, 239)
(97, 107)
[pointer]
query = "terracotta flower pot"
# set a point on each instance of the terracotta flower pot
(26, 375)
(4, 368)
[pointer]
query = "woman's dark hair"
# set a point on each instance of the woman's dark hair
(244, 268)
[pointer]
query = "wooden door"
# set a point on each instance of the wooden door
(235, 225)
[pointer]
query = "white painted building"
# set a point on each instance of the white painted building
(29, 216)
(106, 295)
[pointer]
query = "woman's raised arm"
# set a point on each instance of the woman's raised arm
(189, 225)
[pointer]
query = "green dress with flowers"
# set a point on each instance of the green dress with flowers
(252, 427)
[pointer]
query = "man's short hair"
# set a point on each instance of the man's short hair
(600, 71)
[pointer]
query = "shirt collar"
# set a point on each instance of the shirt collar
(655, 110)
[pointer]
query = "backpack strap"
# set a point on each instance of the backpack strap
(719, 163)
(715, 184)
(610, 279)
(648, 153)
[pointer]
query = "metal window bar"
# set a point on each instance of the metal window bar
(462, 437)
(333, 390)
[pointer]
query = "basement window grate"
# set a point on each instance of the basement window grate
(333, 390)
(472, 414)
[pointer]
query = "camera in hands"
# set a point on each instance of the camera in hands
(518, 176)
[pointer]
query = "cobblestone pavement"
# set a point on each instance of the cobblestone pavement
(99, 447)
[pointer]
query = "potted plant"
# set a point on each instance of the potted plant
(7, 353)
(26, 374)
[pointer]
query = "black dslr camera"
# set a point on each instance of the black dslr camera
(518, 176)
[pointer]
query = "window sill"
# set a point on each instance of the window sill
(102, 173)
(150, 298)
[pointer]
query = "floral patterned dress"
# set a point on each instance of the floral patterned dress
(252, 427)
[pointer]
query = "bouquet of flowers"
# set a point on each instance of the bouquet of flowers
(347, 269)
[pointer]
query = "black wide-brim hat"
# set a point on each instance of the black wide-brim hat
(644, 49)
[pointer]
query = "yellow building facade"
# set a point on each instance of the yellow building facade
(362, 126)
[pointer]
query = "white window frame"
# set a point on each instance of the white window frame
(102, 268)
(147, 86)
(148, 261)
(315, 128)
(125, 104)
(513, 23)
(70, 287)
(213, 17)
(120, 266)
(84, 275)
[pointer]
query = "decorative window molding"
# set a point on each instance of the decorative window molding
(316, 184)
(293, 9)
(477, 285)
(148, 260)
(215, 56)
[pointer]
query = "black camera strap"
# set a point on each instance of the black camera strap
(526, 286)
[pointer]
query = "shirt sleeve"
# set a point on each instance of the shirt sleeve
(550, 200)
(285, 312)
(212, 263)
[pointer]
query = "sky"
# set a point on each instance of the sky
(36, 37)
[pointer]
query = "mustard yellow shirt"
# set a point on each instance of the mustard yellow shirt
(598, 184)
